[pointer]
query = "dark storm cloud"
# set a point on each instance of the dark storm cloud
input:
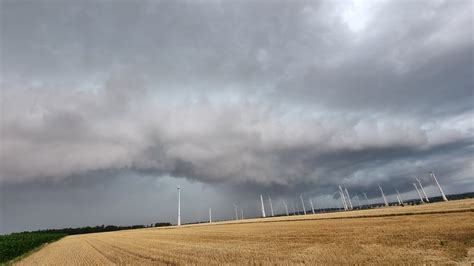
(235, 142)
(413, 55)
(248, 96)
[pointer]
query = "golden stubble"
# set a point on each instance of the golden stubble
(437, 233)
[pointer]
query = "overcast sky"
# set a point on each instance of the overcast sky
(106, 106)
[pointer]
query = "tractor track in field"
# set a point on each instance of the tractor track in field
(109, 258)
(438, 233)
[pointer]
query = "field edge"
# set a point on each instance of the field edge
(30, 252)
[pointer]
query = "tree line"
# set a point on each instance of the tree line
(98, 229)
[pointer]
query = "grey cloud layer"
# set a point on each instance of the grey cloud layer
(241, 92)
(413, 56)
(243, 141)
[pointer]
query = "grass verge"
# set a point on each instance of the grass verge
(17, 245)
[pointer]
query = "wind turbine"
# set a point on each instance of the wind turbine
(400, 198)
(365, 195)
(348, 198)
(422, 190)
(312, 206)
(236, 213)
(439, 187)
(286, 208)
(302, 203)
(344, 203)
(271, 205)
(383, 196)
(241, 214)
(419, 194)
(179, 204)
(341, 196)
(210, 215)
(263, 206)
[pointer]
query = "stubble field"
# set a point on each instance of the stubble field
(436, 233)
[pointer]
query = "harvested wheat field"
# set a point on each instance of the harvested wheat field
(436, 233)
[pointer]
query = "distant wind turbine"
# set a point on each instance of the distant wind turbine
(241, 214)
(419, 194)
(341, 194)
(286, 208)
(236, 213)
(302, 203)
(312, 206)
(344, 204)
(271, 205)
(383, 196)
(348, 198)
(263, 206)
(422, 190)
(179, 204)
(210, 215)
(400, 198)
(439, 187)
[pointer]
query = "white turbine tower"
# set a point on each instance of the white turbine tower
(271, 205)
(263, 206)
(179, 204)
(210, 215)
(422, 190)
(366, 199)
(286, 208)
(400, 198)
(349, 198)
(236, 212)
(312, 206)
(383, 196)
(241, 214)
(302, 203)
(343, 198)
(439, 187)
(419, 194)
